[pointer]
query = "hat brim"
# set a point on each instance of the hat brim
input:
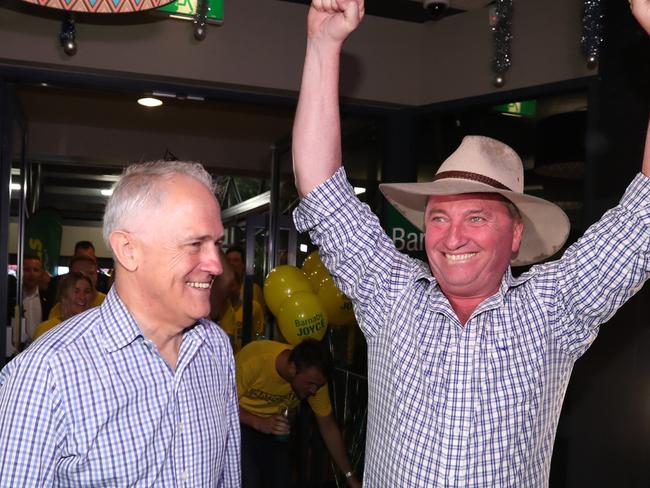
(546, 226)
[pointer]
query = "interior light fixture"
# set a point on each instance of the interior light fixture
(150, 102)
(106, 192)
(303, 248)
(358, 190)
(14, 186)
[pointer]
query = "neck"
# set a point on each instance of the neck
(464, 307)
(282, 365)
(166, 338)
(29, 291)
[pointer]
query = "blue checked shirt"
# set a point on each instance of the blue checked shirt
(472, 406)
(92, 403)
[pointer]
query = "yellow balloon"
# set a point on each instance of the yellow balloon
(301, 316)
(281, 283)
(312, 262)
(317, 277)
(338, 307)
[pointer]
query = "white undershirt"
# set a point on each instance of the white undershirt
(33, 314)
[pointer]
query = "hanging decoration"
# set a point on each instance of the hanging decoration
(200, 12)
(592, 31)
(501, 26)
(67, 35)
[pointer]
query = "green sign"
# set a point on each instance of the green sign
(527, 108)
(43, 237)
(406, 237)
(186, 9)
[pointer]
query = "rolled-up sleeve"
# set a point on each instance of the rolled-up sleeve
(362, 259)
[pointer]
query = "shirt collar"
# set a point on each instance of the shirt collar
(440, 303)
(119, 328)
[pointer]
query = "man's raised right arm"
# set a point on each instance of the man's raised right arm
(317, 126)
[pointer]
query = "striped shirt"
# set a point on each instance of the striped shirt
(92, 403)
(472, 406)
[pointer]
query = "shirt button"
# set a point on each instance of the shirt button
(185, 475)
(180, 426)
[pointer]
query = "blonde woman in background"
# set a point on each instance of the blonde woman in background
(75, 294)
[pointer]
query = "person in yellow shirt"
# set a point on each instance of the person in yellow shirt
(87, 266)
(232, 318)
(237, 261)
(273, 378)
(74, 296)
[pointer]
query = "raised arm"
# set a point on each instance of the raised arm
(641, 11)
(317, 126)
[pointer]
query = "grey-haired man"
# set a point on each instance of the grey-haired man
(467, 365)
(141, 390)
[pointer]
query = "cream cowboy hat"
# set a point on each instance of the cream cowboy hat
(484, 165)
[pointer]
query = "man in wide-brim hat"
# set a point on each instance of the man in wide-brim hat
(467, 365)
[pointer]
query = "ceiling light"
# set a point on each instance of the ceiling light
(303, 248)
(106, 192)
(14, 186)
(358, 190)
(150, 102)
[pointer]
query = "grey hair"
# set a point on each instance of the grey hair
(140, 185)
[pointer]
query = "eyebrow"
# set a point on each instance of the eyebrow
(203, 238)
(471, 211)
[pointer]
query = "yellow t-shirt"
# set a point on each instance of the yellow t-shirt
(43, 327)
(56, 309)
(262, 391)
(233, 320)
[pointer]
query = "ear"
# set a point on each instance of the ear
(516, 236)
(124, 249)
(291, 367)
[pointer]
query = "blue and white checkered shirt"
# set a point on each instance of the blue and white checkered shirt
(472, 406)
(92, 403)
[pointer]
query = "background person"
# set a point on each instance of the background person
(34, 304)
(87, 248)
(88, 266)
(237, 260)
(75, 295)
(232, 317)
(272, 376)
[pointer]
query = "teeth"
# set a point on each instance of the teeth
(460, 257)
(199, 284)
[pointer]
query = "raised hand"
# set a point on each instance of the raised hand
(334, 20)
(641, 11)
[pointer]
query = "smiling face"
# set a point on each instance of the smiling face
(77, 299)
(177, 254)
(470, 240)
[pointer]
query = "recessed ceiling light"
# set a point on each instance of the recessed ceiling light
(107, 192)
(358, 190)
(150, 102)
(14, 186)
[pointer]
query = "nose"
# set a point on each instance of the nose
(212, 262)
(455, 236)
